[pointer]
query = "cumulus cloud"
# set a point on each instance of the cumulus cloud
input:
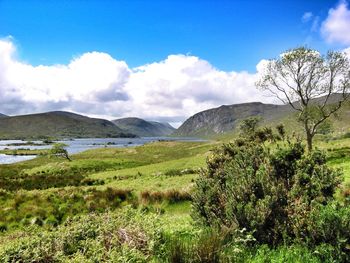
(99, 85)
(336, 29)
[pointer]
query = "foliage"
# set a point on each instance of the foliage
(272, 192)
(82, 223)
(58, 150)
(249, 125)
(52, 208)
(305, 80)
(109, 237)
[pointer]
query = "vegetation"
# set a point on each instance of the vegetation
(135, 204)
(24, 151)
(280, 194)
(306, 81)
(58, 150)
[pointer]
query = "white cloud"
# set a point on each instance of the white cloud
(98, 85)
(336, 27)
(306, 17)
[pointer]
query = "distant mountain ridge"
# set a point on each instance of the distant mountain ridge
(227, 118)
(58, 124)
(3, 115)
(144, 128)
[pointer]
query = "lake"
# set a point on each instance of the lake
(80, 145)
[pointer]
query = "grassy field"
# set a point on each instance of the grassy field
(157, 178)
(30, 187)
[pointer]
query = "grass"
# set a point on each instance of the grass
(24, 152)
(166, 169)
(121, 176)
(152, 176)
(338, 154)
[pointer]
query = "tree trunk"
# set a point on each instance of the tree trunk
(309, 135)
(309, 140)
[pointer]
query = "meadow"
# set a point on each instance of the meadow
(129, 205)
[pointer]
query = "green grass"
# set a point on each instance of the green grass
(152, 176)
(155, 167)
(24, 152)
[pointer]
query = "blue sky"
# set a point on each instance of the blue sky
(159, 60)
(232, 35)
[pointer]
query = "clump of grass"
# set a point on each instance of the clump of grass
(207, 248)
(171, 196)
(174, 196)
(179, 172)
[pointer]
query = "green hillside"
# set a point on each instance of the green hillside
(227, 117)
(57, 124)
(144, 128)
(223, 121)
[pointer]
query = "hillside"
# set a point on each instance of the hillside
(2, 115)
(144, 128)
(57, 124)
(225, 119)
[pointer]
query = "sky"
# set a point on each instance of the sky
(158, 60)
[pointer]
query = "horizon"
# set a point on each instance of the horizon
(160, 61)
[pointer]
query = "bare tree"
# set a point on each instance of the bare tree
(306, 80)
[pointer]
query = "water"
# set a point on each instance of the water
(80, 145)
(6, 159)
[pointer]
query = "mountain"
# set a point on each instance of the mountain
(144, 128)
(227, 117)
(2, 115)
(58, 124)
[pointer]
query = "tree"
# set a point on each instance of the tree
(306, 80)
(58, 149)
(249, 125)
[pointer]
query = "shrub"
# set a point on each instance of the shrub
(271, 192)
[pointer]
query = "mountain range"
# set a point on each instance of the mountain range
(210, 123)
(58, 124)
(144, 128)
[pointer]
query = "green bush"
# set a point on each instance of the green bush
(273, 192)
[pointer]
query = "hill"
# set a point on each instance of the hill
(2, 115)
(58, 124)
(225, 119)
(144, 128)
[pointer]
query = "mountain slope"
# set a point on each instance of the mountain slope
(226, 119)
(57, 124)
(2, 115)
(144, 128)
